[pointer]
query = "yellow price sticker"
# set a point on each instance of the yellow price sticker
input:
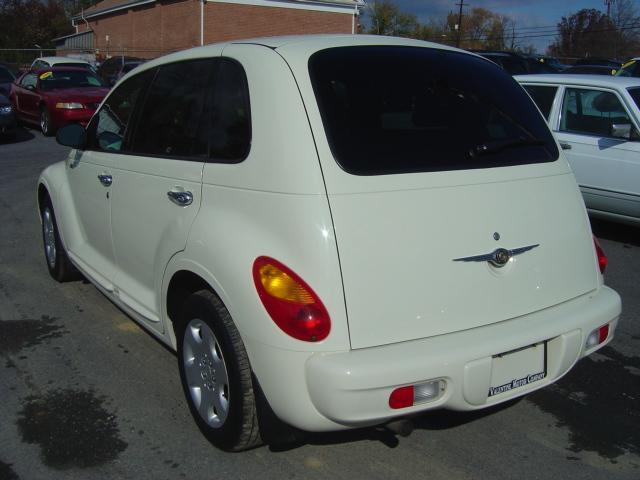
(46, 75)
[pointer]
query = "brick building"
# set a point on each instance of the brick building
(150, 28)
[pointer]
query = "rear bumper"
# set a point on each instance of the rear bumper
(351, 389)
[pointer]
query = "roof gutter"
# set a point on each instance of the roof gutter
(106, 11)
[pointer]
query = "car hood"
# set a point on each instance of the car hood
(81, 94)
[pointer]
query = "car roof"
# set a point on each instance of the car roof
(54, 60)
(586, 80)
(304, 43)
(38, 71)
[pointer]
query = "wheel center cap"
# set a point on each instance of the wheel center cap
(207, 372)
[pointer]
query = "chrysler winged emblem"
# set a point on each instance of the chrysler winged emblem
(499, 257)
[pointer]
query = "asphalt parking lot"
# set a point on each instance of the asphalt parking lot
(87, 394)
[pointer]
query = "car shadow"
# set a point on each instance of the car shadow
(19, 135)
(617, 232)
(388, 434)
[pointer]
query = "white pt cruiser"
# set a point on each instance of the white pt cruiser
(332, 231)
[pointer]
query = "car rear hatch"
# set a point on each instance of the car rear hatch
(435, 178)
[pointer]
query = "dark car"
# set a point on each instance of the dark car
(590, 69)
(57, 96)
(6, 79)
(612, 64)
(111, 67)
(516, 64)
(8, 122)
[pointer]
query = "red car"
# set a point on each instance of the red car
(56, 96)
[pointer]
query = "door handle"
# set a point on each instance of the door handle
(565, 146)
(105, 180)
(180, 198)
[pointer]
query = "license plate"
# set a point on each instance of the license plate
(519, 368)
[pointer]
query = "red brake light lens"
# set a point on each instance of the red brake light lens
(401, 397)
(290, 302)
(603, 333)
(602, 258)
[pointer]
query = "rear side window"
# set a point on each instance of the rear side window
(173, 120)
(543, 96)
(230, 134)
(389, 110)
(635, 94)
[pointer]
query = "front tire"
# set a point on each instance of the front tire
(215, 374)
(45, 122)
(58, 263)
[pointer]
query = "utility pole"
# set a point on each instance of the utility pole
(608, 4)
(461, 4)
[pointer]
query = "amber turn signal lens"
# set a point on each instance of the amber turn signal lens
(290, 302)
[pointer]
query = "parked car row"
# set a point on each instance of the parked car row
(56, 91)
(519, 64)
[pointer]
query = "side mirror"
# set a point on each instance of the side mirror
(621, 130)
(72, 135)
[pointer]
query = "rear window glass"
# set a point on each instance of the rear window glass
(393, 109)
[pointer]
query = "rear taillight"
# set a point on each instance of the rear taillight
(602, 258)
(290, 302)
(598, 336)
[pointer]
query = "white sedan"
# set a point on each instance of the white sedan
(596, 120)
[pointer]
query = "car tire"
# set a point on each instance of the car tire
(58, 263)
(216, 374)
(45, 122)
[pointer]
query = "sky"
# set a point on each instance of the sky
(528, 15)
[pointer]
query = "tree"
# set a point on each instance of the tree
(29, 22)
(626, 19)
(482, 29)
(587, 33)
(387, 19)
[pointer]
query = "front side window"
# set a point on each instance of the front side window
(29, 80)
(388, 109)
(591, 112)
(543, 97)
(108, 127)
(173, 121)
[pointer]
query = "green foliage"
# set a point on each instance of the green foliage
(26, 23)
(591, 33)
(585, 33)
(387, 19)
